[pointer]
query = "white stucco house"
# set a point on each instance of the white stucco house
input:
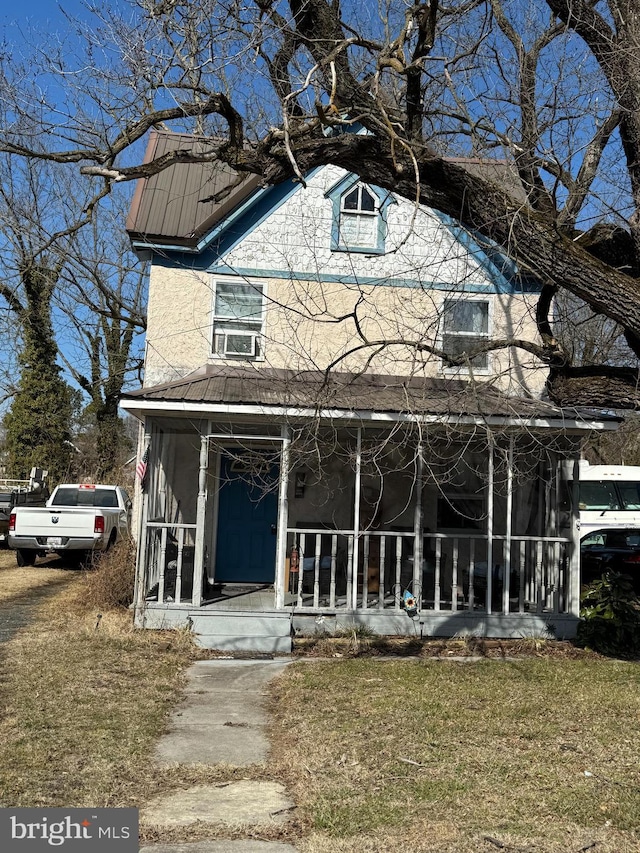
(313, 458)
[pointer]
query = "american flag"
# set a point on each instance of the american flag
(141, 467)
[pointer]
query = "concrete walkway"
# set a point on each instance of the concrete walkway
(221, 720)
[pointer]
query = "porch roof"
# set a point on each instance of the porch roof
(247, 389)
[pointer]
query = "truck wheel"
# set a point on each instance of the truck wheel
(26, 557)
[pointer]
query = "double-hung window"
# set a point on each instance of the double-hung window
(238, 320)
(465, 325)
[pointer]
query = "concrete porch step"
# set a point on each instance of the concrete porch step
(242, 632)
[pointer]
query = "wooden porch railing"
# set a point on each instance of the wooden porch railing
(169, 559)
(455, 572)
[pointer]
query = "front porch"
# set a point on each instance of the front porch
(503, 562)
(260, 520)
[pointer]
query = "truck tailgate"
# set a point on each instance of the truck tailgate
(55, 522)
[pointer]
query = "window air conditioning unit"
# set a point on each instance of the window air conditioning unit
(243, 344)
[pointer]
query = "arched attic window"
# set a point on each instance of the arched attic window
(359, 212)
(359, 216)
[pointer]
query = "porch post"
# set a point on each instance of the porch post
(163, 456)
(418, 533)
(141, 556)
(283, 516)
(201, 515)
(574, 563)
(506, 572)
(490, 478)
(556, 474)
(356, 524)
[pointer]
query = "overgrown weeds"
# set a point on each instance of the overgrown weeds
(348, 644)
(109, 583)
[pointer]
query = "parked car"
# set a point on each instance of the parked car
(616, 548)
(78, 519)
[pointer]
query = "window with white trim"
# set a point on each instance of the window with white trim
(359, 218)
(238, 318)
(465, 325)
(459, 511)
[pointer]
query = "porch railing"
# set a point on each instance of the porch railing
(169, 552)
(518, 574)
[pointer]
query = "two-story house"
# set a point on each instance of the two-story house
(313, 454)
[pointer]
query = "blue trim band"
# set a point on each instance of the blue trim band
(329, 278)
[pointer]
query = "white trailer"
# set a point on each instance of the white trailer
(609, 496)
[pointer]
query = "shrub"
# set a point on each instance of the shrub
(610, 617)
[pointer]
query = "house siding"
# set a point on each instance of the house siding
(442, 488)
(302, 331)
(296, 237)
(398, 295)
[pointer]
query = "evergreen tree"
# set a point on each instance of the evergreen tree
(38, 423)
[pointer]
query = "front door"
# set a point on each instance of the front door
(247, 521)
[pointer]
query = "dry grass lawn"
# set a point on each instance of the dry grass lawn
(15, 582)
(83, 701)
(537, 755)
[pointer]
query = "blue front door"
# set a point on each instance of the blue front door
(247, 519)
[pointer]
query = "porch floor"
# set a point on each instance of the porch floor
(240, 596)
(261, 597)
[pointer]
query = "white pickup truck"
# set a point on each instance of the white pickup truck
(77, 519)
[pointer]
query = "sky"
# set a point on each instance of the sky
(38, 12)
(17, 19)
(43, 11)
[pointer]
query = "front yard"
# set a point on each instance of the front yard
(535, 754)
(538, 754)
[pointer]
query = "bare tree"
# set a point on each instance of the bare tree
(38, 422)
(553, 86)
(74, 292)
(101, 295)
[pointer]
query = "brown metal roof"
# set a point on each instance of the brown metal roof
(247, 385)
(501, 172)
(178, 204)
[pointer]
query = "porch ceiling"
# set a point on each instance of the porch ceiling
(253, 390)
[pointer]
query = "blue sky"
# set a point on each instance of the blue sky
(42, 11)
